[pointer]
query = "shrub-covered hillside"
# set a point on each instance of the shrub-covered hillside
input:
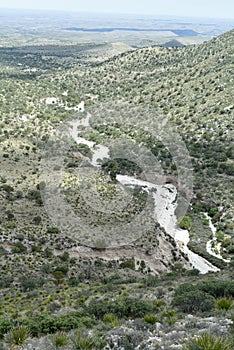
(56, 292)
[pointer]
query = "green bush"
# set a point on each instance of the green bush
(19, 247)
(218, 288)
(6, 282)
(29, 284)
(130, 264)
(52, 230)
(44, 324)
(186, 223)
(122, 308)
(194, 301)
(5, 326)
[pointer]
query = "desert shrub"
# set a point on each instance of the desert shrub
(65, 256)
(124, 307)
(47, 253)
(130, 263)
(84, 149)
(37, 220)
(62, 268)
(218, 288)
(29, 284)
(52, 230)
(230, 249)
(35, 195)
(73, 281)
(151, 281)
(6, 282)
(44, 324)
(213, 212)
(186, 223)
(5, 326)
(7, 188)
(53, 307)
(10, 215)
(19, 247)
(208, 341)
(194, 301)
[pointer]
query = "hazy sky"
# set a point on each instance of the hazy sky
(193, 8)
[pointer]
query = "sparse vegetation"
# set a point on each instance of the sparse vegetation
(52, 284)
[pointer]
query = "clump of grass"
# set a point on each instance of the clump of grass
(208, 341)
(224, 303)
(111, 320)
(82, 340)
(83, 343)
(17, 336)
(60, 339)
(150, 318)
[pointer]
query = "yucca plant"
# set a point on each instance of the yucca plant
(17, 337)
(208, 341)
(60, 339)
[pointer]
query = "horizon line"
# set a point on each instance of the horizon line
(115, 13)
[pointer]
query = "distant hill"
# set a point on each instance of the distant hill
(173, 43)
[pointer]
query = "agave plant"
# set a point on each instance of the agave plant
(17, 337)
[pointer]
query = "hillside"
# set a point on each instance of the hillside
(134, 288)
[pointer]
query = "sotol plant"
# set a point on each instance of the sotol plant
(17, 337)
(208, 341)
(224, 303)
(60, 339)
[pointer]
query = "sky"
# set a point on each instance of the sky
(189, 8)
